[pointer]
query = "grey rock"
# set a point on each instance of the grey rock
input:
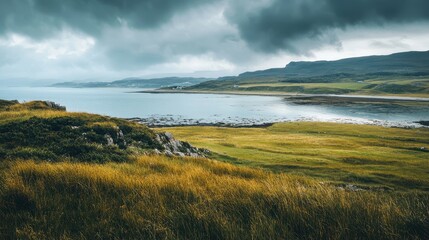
(168, 153)
(180, 154)
(178, 148)
(120, 134)
(109, 139)
(353, 188)
(194, 155)
(169, 136)
(121, 138)
(54, 105)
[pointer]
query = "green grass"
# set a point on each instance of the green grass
(350, 85)
(368, 156)
(158, 197)
(366, 84)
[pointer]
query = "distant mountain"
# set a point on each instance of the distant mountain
(405, 62)
(405, 73)
(138, 83)
(400, 73)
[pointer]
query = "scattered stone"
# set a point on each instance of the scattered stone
(180, 154)
(168, 153)
(178, 121)
(109, 140)
(194, 155)
(353, 188)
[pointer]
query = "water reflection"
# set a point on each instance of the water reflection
(207, 108)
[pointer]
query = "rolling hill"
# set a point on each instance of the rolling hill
(405, 74)
(137, 83)
(400, 63)
(400, 73)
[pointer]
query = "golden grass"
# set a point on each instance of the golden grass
(24, 111)
(155, 197)
(162, 198)
(10, 116)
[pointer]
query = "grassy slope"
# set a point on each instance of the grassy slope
(402, 87)
(391, 85)
(155, 197)
(340, 153)
(35, 130)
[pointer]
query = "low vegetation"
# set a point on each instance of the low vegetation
(44, 131)
(366, 84)
(368, 156)
(71, 196)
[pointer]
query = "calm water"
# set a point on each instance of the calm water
(208, 108)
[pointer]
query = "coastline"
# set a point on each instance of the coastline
(366, 98)
(157, 123)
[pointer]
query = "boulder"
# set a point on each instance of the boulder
(109, 139)
(173, 147)
(54, 105)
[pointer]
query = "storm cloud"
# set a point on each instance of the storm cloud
(38, 18)
(280, 24)
(99, 39)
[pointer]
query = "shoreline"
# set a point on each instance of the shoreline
(292, 96)
(153, 123)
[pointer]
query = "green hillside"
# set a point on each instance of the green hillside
(136, 83)
(405, 62)
(397, 74)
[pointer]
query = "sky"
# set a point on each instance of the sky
(104, 40)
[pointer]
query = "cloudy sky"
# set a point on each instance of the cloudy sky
(112, 39)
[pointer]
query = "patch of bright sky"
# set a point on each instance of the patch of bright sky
(65, 44)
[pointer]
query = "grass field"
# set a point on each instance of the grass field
(373, 84)
(369, 156)
(351, 85)
(56, 186)
(156, 197)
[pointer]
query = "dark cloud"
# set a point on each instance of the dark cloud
(39, 18)
(282, 24)
(114, 38)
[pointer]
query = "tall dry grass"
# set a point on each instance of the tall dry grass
(156, 197)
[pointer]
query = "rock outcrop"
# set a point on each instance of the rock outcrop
(173, 147)
(117, 139)
(54, 105)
